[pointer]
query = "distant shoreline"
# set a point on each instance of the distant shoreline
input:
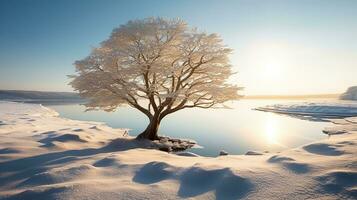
(73, 95)
(312, 96)
(46, 97)
(41, 97)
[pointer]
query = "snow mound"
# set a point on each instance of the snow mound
(317, 110)
(350, 94)
(186, 153)
(196, 180)
(58, 176)
(290, 164)
(63, 138)
(339, 183)
(106, 162)
(9, 150)
(39, 193)
(153, 172)
(323, 149)
(253, 153)
(227, 184)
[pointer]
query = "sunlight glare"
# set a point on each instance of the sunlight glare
(272, 61)
(271, 131)
(270, 58)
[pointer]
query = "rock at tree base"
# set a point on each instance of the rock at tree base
(223, 153)
(172, 144)
(253, 153)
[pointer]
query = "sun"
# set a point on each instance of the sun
(272, 69)
(270, 60)
(273, 58)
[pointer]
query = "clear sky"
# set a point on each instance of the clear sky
(280, 46)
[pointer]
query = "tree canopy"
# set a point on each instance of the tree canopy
(157, 66)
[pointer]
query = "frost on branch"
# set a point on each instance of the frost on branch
(157, 66)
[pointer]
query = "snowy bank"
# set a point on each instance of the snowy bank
(316, 110)
(43, 156)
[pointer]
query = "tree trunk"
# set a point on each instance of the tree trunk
(151, 131)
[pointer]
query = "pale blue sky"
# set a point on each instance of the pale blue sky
(280, 46)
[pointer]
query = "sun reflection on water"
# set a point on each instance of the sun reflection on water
(272, 131)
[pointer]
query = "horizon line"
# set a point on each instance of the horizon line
(255, 96)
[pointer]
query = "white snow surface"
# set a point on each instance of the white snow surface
(323, 110)
(45, 157)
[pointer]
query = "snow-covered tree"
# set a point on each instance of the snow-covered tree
(157, 66)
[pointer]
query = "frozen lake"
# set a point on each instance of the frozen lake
(236, 130)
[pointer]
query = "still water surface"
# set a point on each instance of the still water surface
(236, 130)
